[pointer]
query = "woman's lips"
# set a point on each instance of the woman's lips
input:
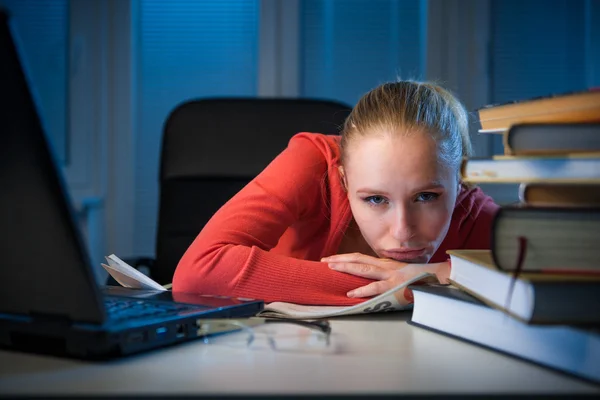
(404, 255)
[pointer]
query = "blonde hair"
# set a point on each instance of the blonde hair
(404, 107)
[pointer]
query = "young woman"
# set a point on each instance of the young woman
(335, 219)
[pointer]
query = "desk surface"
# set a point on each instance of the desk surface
(378, 354)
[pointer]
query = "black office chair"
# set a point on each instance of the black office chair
(211, 149)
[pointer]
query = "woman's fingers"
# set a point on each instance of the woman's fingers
(360, 258)
(359, 269)
(372, 289)
(348, 257)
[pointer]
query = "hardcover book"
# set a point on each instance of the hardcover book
(535, 298)
(549, 239)
(452, 312)
(557, 138)
(543, 194)
(580, 106)
(572, 168)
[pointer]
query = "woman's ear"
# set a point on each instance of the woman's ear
(343, 178)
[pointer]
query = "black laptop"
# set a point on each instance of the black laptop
(50, 301)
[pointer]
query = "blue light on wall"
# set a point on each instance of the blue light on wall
(187, 49)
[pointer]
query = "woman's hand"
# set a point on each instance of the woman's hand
(386, 272)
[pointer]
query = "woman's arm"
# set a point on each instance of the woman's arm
(231, 255)
(386, 273)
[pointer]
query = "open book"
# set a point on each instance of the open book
(129, 277)
(384, 302)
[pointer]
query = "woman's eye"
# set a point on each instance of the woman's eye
(375, 200)
(427, 196)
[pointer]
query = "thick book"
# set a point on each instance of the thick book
(572, 168)
(533, 298)
(128, 276)
(452, 312)
(537, 139)
(548, 239)
(565, 195)
(572, 107)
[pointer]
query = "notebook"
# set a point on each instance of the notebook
(50, 301)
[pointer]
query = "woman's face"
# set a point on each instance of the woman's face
(401, 198)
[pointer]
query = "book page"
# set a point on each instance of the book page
(127, 276)
(490, 131)
(384, 302)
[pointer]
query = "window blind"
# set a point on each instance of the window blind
(593, 42)
(537, 49)
(348, 47)
(187, 49)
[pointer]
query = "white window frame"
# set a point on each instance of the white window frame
(279, 47)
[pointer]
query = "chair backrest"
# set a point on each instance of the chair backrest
(212, 148)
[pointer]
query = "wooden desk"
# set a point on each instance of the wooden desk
(377, 354)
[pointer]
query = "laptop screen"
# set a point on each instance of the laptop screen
(44, 267)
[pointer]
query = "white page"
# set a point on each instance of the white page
(128, 276)
(384, 302)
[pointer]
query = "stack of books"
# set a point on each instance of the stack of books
(547, 141)
(536, 293)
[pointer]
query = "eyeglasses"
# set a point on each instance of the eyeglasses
(272, 334)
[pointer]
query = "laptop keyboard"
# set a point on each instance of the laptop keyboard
(119, 308)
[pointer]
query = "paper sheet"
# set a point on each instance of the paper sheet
(128, 276)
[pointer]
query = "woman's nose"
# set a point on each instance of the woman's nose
(401, 226)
